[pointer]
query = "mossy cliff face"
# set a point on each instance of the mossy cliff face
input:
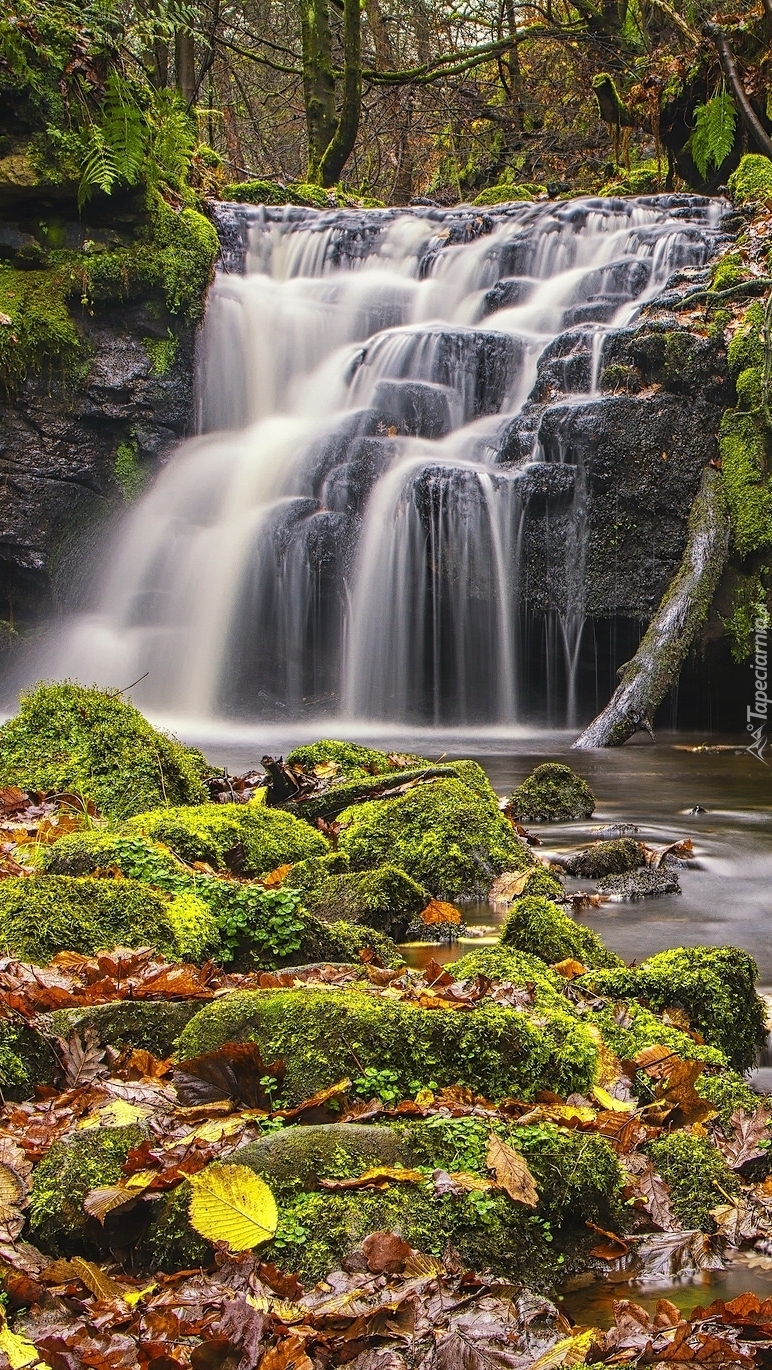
(96, 367)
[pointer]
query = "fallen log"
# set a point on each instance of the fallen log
(327, 804)
(646, 679)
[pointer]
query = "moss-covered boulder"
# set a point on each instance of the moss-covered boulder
(448, 836)
(248, 839)
(353, 762)
(324, 1035)
(385, 899)
(89, 1159)
(150, 1024)
(97, 850)
(503, 963)
(89, 742)
(714, 986)
(752, 180)
(606, 858)
(26, 1059)
(552, 794)
(536, 925)
(577, 1177)
(43, 915)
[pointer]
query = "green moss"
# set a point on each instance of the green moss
(36, 330)
(539, 927)
(607, 858)
(747, 347)
(505, 192)
(743, 443)
(26, 1059)
(94, 850)
(645, 179)
(443, 834)
(324, 1035)
(72, 739)
(386, 899)
(749, 605)
(628, 1032)
(194, 927)
(270, 193)
(88, 1160)
(42, 915)
(698, 1176)
(752, 180)
(162, 353)
(727, 1091)
(248, 838)
(354, 762)
(714, 986)
(551, 794)
(128, 469)
(154, 1025)
(515, 967)
(749, 388)
(308, 876)
(728, 271)
(619, 376)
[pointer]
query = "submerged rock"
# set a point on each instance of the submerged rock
(551, 794)
(606, 858)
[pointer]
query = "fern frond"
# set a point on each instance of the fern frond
(99, 170)
(125, 130)
(714, 130)
(173, 141)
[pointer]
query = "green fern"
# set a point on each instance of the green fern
(117, 146)
(173, 139)
(714, 129)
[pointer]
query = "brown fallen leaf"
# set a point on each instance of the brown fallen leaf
(611, 1247)
(82, 1058)
(508, 886)
(570, 970)
(748, 1139)
(386, 1253)
(511, 1172)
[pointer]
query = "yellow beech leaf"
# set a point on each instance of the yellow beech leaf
(611, 1104)
(96, 1281)
(119, 1113)
(231, 1204)
(437, 911)
(134, 1296)
(569, 1351)
(19, 1351)
(378, 1178)
(511, 1171)
(570, 970)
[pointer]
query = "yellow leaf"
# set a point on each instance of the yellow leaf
(134, 1296)
(378, 1178)
(611, 1104)
(19, 1351)
(118, 1113)
(96, 1281)
(570, 970)
(437, 911)
(231, 1204)
(569, 1351)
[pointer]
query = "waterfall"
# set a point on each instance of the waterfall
(373, 390)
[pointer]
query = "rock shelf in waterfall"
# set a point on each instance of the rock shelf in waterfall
(412, 492)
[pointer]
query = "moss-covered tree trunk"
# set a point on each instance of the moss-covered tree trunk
(332, 127)
(654, 668)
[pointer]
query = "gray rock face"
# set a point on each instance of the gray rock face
(58, 446)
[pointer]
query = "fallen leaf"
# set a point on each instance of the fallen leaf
(611, 1248)
(437, 911)
(749, 1137)
(385, 1253)
(82, 1058)
(569, 969)
(234, 1071)
(511, 1172)
(380, 1177)
(229, 1203)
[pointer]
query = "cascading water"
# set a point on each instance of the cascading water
(346, 533)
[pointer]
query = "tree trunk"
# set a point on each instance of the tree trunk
(341, 145)
(185, 66)
(748, 114)
(655, 667)
(318, 82)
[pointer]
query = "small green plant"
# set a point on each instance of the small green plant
(259, 920)
(378, 1084)
(291, 1231)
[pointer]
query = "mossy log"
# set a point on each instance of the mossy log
(682, 611)
(330, 803)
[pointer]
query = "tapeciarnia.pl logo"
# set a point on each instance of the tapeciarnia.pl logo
(757, 713)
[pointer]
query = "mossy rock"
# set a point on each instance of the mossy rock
(89, 1159)
(752, 181)
(507, 192)
(714, 986)
(728, 1091)
(728, 271)
(577, 1177)
(86, 741)
(45, 914)
(385, 899)
(744, 447)
(626, 1029)
(616, 857)
(94, 849)
(511, 967)
(324, 1035)
(697, 1175)
(270, 193)
(248, 839)
(538, 926)
(153, 1025)
(354, 762)
(26, 1059)
(445, 834)
(308, 876)
(552, 794)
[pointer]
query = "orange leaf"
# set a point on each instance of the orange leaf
(437, 911)
(276, 877)
(570, 969)
(378, 1178)
(511, 1171)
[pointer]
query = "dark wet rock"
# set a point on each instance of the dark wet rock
(616, 857)
(416, 408)
(58, 448)
(639, 884)
(308, 1154)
